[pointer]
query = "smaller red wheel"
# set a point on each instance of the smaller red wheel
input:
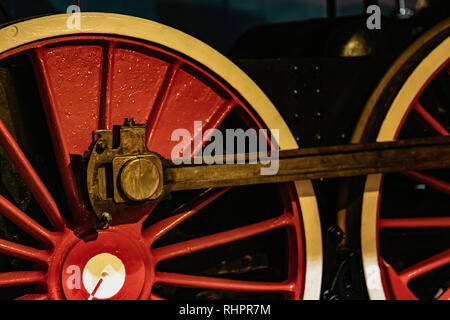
(404, 217)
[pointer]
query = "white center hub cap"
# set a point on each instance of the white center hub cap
(103, 276)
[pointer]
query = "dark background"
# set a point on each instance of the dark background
(216, 22)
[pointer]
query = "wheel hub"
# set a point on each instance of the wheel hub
(112, 266)
(103, 276)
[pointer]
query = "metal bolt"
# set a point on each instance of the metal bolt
(247, 260)
(336, 234)
(12, 31)
(106, 218)
(100, 147)
(129, 122)
(222, 264)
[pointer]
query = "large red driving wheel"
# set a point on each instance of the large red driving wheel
(220, 243)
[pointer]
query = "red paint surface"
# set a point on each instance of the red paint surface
(190, 99)
(137, 79)
(74, 74)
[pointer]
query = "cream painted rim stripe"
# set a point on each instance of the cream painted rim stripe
(28, 31)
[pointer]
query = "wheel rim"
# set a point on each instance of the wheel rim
(65, 66)
(381, 279)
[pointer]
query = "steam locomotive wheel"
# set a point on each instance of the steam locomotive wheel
(242, 242)
(404, 244)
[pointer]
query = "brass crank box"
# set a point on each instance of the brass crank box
(121, 171)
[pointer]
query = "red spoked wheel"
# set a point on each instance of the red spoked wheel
(218, 243)
(405, 217)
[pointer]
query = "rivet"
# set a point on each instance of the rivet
(295, 91)
(295, 67)
(129, 122)
(296, 116)
(106, 218)
(100, 147)
(317, 90)
(318, 137)
(12, 31)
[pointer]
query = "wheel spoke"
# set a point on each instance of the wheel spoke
(155, 297)
(430, 181)
(400, 290)
(33, 297)
(189, 281)
(206, 242)
(415, 223)
(107, 79)
(24, 222)
(184, 86)
(216, 117)
(60, 145)
(187, 210)
(22, 252)
(17, 278)
(163, 94)
(425, 266)
(430, 121)
(31, 178)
